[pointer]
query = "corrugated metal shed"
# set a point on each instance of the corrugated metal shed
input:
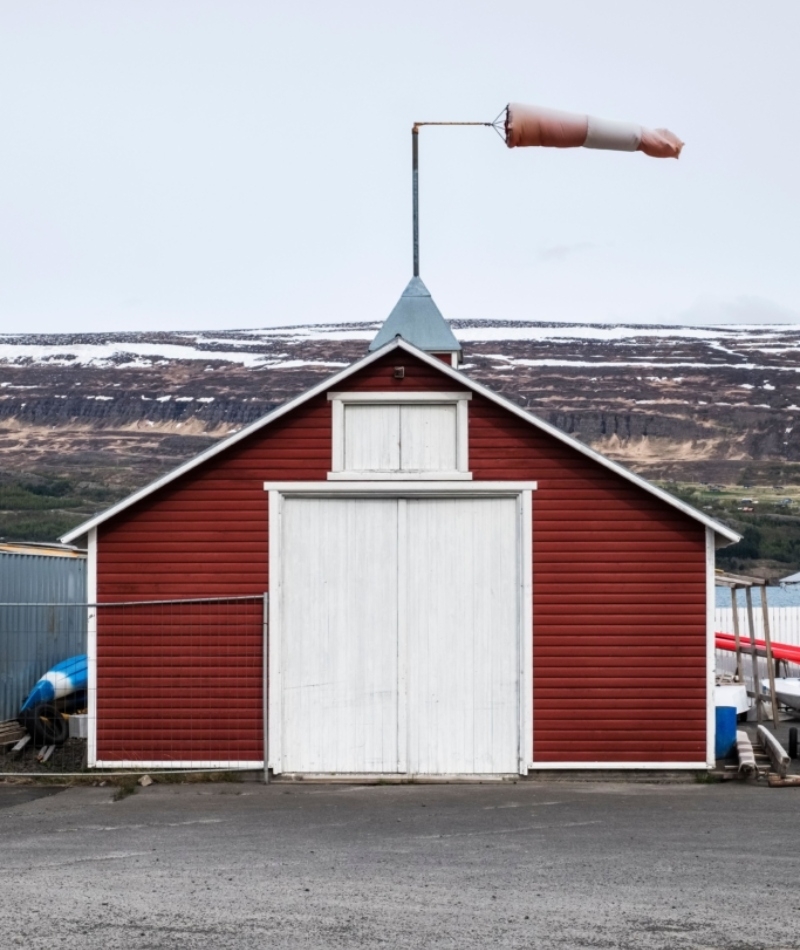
(42, 615)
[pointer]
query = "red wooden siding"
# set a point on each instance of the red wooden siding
(619, 628)
(180, 682)
(619, 585)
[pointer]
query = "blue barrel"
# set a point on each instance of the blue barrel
(725, 738)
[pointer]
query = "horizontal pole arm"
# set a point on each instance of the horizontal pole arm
(419, 124)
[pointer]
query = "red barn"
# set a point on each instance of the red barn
(401, 573)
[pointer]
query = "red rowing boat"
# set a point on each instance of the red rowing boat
(780, 651)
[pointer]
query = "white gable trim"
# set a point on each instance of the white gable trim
(333, 381)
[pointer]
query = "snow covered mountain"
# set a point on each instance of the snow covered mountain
(112, 411)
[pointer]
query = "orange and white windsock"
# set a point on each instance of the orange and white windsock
(533, 125)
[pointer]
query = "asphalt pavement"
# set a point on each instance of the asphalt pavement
(527, 865)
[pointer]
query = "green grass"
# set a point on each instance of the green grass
(124, 789)
(42, 508)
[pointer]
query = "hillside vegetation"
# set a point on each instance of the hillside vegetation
(41, 508)
(767, 517)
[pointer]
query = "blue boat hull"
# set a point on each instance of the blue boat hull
(62, 680)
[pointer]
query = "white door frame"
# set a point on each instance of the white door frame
(278, 491)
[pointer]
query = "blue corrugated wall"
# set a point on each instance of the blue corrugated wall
(34, 638)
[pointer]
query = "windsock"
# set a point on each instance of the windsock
(533, 125)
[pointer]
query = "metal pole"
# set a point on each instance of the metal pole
(739, 675)
(748, 597)
(415, 193)
(415, 178)
(770, 658)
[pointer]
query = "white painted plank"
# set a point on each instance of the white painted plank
(462, 564)
(339, 632)
(428, 438)
(371, 438)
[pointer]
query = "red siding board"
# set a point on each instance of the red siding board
(618, 603)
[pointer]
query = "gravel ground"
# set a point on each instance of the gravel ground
(70, 757)
(555, 865)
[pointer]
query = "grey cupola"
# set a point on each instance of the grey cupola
(418, 320)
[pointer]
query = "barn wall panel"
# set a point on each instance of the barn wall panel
(180, 683)
(205, 535)
(619, 593)
(618, 604)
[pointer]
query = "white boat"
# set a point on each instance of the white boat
(732, 694)
(787, 690)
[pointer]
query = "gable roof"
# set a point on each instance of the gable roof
(418, 320)
(332, 382)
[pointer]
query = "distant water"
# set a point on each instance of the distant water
(776, 597)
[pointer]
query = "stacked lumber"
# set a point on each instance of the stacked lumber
(11, 732)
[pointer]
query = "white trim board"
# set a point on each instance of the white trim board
(397, 488)
(627, 766)
(273, 660)
(91, 648)
(527, 630)
(216, 764)
(332, 383)
(399, 476)
(392, 778)
(383, 397)
(711, 652)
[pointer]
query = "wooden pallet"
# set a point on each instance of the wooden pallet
(11, 732)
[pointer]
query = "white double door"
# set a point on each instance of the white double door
(399, 636)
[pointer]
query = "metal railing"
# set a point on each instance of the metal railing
(784, 625)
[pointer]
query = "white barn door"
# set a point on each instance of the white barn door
(399, 635)
(462, 631)
(339, 635)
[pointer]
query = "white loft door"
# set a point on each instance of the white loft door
(372, 438)
(462, 629)
(339, 635)
(395, 438)
(428, 438)
(400, 636)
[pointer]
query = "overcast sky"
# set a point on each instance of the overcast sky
(181, 164)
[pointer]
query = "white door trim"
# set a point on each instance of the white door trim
(91, 647)
(711, 653)
(526, 632)
(402, 643)
(279, 491)
(272, 648)
(400, 489)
